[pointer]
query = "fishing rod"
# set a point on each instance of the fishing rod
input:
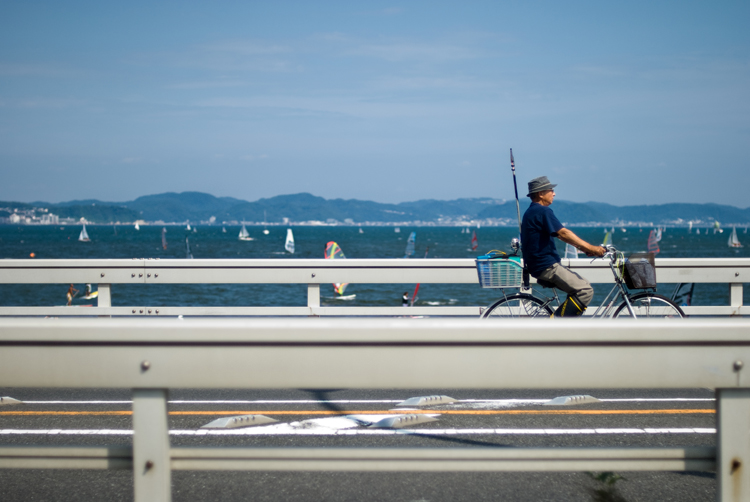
(515, 187)
(526, 281)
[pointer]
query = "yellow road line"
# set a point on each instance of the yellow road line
(373, 412)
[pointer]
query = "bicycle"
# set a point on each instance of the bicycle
(501, 271)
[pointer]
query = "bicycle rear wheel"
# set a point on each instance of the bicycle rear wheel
(650, 305)
(519, 305)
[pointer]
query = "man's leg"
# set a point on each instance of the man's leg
(579, 290)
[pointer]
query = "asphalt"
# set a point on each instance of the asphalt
(485, 423)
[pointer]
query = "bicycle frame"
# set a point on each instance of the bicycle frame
(606, 306)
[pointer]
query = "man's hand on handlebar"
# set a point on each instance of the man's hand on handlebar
(597, 251)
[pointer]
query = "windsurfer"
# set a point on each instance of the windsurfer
(88, 290)
(405, 299)
(71, 293)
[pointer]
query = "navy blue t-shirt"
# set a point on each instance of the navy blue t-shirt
(539, 251)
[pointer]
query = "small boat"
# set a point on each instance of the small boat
(734, 242)
(690, 226)
(164, 238)
(411, 245)
(223, 230)
(244, 235)
(84, 236)
(334, 252)
(265, 230)
(717, 228)
(397, 230)
(289, 244)
(362, 231)
(137, 226)
(188, 227)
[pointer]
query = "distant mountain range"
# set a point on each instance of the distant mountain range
(304, 207)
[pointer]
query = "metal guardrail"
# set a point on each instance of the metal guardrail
(152, 355)
(730, 271)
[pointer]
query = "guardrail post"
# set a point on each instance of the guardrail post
(151, 462)
(313, 295)
(735, 295)
(733, 444)
(104, 298)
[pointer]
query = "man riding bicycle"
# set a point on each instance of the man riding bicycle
(540, 256)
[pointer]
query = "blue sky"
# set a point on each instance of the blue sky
(619, 102)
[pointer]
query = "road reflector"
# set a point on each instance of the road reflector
(6, 401)
(427, 401)
(239, 421)
(571, 400)
(401, 421)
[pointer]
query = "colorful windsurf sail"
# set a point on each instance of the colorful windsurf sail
(474, 241)
(653, 241)
(410, 245)
(334, 252)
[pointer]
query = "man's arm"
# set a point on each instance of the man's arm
(569, 237)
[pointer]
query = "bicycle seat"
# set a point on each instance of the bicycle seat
(545, 284)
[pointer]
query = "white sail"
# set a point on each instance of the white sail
(289, 244)
(84, 236)
(188, 227)
(570, 251)
(734, 242)
(244, 235)
(137, 226)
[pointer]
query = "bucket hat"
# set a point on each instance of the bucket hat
(539, 184)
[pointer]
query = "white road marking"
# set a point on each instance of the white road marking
(486, 402)
(325, 431)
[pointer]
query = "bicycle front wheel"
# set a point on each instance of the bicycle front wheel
(519, 305)
(650, 305)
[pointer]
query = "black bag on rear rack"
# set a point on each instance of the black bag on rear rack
(640, 271)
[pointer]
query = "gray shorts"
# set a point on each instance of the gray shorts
(566, 280)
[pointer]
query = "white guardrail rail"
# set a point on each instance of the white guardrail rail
(152, 355)
(314, 272)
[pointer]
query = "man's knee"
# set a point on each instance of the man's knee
(585, 294)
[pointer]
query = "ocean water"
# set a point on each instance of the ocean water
(61, 242)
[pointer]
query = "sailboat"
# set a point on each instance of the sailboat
(244, 235)
(164, 238)
(607, 237)
(362, 231)
(137, 226)
(188, 227)
(397, 230)
(474, 242)
(289, 244)
(84, 236)
(223, 230)
(188, 254)
(334, 252)
(265, 230)
(734, 242)
(717, 227)
(690, 226)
